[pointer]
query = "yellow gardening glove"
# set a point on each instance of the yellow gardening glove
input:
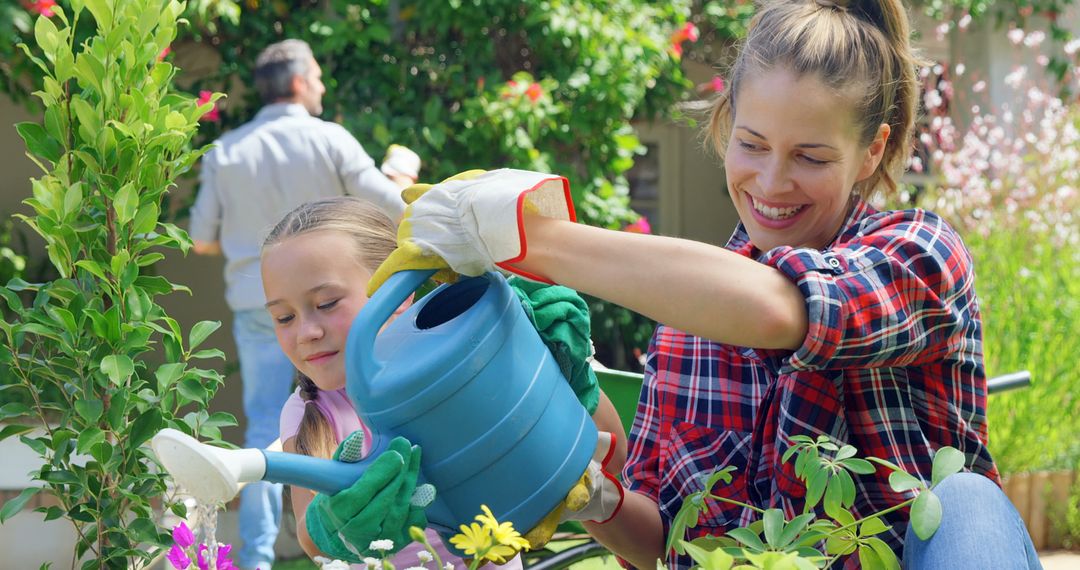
(472, 223)
(408, 254)
(575, 500)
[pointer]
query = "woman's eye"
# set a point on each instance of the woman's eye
(329, 305)
(814, 161)
(749, 146)
(283, 319)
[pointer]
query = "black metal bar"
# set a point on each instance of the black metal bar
(574, 554)
(1007, 382)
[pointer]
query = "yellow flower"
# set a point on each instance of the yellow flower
(503, 533)
(474, 539)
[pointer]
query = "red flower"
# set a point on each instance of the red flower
(42, 7)
(164, 53)
(534, 92)
(213, 115)
(689, 32)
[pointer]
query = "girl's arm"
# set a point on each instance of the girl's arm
(301, 497)
(607, 419)
(635, 534)
(698, 288)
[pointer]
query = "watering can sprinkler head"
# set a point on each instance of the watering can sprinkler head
(210, 474)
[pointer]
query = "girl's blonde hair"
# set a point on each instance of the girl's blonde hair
(859, 48)
(374, 237)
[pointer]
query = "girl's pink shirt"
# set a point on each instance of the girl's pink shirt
(337, 409)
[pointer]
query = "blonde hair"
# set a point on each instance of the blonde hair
(859, 48)
(374, 237)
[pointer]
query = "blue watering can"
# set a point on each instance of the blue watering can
(463, 374)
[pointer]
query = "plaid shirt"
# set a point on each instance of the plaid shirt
(892, 364)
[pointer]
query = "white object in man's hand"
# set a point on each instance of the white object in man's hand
(401, 161)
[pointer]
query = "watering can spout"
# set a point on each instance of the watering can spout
(210, 474)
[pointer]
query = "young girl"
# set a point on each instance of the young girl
(315, 266)
(821, 315)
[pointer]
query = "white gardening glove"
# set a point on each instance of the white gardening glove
(401, 161)
(605, 491)
(473, 222)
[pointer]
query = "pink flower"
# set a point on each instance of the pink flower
(164, 53)
(641, 226)
(178, 558)
(534, 92)
(716, 84)
(41, 7)
(213, 115)
(182, 535)
(223, 562)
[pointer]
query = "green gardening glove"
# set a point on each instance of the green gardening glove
(381, 505)
(561, 317)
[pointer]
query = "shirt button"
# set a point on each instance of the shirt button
(834, 263)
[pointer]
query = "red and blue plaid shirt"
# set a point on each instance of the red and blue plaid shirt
(892, 364)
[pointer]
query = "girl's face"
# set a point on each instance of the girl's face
(792, 159)
(314, 289)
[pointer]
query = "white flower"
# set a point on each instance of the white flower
(960, 68)
(424, 556)
(1072, 47)
(373, 563)
(979, 86)
(448, 566)
(964, 22)
(327, 564)
(417, 568)
(1016, 35)
(1034, 38)
(384, 545)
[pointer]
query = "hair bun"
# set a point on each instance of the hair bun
(841, 5)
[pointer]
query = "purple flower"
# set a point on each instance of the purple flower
(223, 562)
(178, 558)
(182, 535)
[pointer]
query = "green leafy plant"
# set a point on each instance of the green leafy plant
(809, 540)
(100, 362)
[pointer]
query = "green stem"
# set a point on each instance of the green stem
(875, 515)
(741, 504)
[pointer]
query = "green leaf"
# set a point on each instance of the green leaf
(46, 36)
(869, 559)
(872, 526)
(118, 367)
(88, 438)
(748, 538)
(926, 514)
(167, 374)
(39, 142)
(901, 481)
(774, 526)
(715, 559)
(947, 461)
(10, 430)
(793, 528)
(89, 409)
(859, 466)
(14, 506)
(886, 554)
(815, 488)
(14, 410)
(126, 203)
(144, 427)
(200, 331)
(845, 452)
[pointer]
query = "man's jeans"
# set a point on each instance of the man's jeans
(267, 377)
(979, 529)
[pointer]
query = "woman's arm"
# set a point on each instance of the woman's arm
(301, 497)
(698, 288)
(635, 534)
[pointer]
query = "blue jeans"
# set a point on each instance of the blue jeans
(979, 529)
(267, 377)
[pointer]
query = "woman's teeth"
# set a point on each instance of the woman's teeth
(776, 213)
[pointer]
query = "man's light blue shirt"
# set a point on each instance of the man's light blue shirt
(259, 172)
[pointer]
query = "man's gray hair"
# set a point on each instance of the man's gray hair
(276, 66)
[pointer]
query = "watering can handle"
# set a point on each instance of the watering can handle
(378, 310)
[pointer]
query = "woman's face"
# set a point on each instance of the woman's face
(314, 289)
(792, 159)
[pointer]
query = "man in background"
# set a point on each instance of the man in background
(257, 173)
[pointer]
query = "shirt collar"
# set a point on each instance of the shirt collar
(739, 242)
(277, 110)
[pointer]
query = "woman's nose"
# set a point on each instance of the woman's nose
(774, 178)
